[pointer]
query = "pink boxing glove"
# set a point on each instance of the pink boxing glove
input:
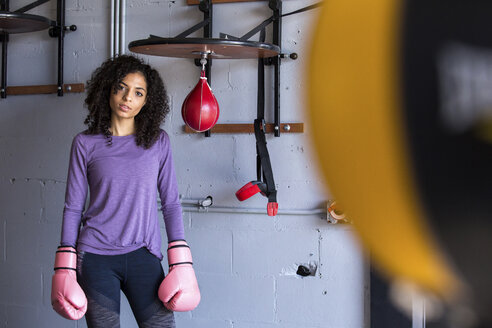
(179, 289)
(67, 298)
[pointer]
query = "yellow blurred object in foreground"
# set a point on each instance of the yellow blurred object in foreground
(354, 107)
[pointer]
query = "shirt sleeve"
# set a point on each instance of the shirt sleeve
(168, 192)
(75, 194)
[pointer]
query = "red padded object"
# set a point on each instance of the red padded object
(272, 208)
(248, 190)
(200, 109)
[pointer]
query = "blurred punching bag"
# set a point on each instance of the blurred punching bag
(401, 92)
(200, 109)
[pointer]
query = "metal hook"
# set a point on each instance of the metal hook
(203, 61)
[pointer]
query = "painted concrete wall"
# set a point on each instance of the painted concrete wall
(245, 263)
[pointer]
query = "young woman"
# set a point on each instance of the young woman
(125, 160)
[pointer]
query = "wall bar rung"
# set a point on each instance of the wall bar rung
(44, 89)
(196, 2)
(249, 128)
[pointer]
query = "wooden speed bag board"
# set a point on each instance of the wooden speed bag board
(400, 99)
(12, 22)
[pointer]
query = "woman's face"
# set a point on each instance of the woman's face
(128, 98)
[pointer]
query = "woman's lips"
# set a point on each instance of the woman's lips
(125, 108)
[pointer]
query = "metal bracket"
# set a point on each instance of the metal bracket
(182, 46)
(276, 19)
(57, 30)
(194, 28)
(31, 6)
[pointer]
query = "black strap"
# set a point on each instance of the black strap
(263, 165)
(260, 111)
(178, 246)
(66, 251)
(260, 105)
(179, 263)
(64, 268)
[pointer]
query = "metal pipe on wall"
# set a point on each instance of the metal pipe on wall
(205, 205)
(3, 86)
(111, 34)
(122, 26)
(61, 22)
(118, 27)
(4, 5)
(116, 30)
(242, 210)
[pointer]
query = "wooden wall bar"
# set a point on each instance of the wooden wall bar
(44, 89)
(249, 128)
(196, 2)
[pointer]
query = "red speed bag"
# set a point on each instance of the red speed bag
(200, 109)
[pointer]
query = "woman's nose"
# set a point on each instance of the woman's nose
(127, 96)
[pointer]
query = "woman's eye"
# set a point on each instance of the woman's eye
(139, 94)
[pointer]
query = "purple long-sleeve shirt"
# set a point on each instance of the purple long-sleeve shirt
(124, 180)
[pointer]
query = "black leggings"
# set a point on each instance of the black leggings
(138, 274)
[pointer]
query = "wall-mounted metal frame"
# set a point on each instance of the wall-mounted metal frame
(226, 47)
(232, 47)
(19, 22)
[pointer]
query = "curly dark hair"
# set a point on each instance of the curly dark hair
(105, 80)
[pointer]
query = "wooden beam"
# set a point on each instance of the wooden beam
(196, 2)
(249, 128)
(44, 89)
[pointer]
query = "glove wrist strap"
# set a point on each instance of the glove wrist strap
(178, 254)
(66, 258)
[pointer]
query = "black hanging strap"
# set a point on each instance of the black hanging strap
(263, 165)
